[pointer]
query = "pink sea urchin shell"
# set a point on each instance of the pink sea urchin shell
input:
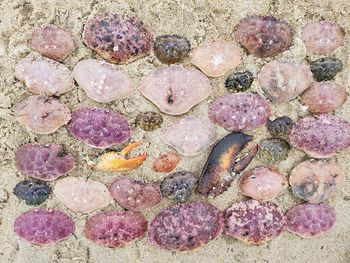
(190, 135)
(322, 37)
(41, 114)
(44, 161)
(175, 89)
(52, 42)
(254, 222)
(239, 111)
(82, 195)
(102, 82)
(310, 220)
(116, 228)
(134, 194)
(118, 38)
(41, 226)
(44, 76)
(264, 36)
(216, 58)
(320, 136)
(284, 81)
(99, 127)
(186, 226)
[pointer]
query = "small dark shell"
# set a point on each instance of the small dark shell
(273, 150)
(186, 226)
(280, 126)
(239, 81)
(254, 222)
(171, 49)
(33, 192)
(149, 120)
(179, 186)
(326, 68)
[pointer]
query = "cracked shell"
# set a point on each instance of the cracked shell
(134, 194)
(175, 89)
(41, 114)
(116, 228)
(118, 38)
(185, 226)
(98, 127)
(254, 222)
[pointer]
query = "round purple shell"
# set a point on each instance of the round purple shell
(239, 111)
(186, 226)
(321, 136)
(41, 226)
(310, 220)
(98, 127)
(44, 161)
(254, 222)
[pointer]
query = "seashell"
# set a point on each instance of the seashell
(170, 49)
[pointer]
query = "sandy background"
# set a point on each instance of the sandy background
(198, 21)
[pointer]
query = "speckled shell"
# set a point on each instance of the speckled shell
(322, 37)
(326, 68)
(284, 81)
(239, 111)
(166, 162)
(82, 195)
(239, 81)
(310, 220)
(134, 194)
(214, 59)
(189, 135)
(33, 192)
(118, 38)
(273, 150)
(323, 97)
(254, 222)
(98, 127)
(42, 226)
(264, 36)
(320, 136)
(185, 226)
(102, 82)
(175, 89)
(41, 114)
(314, 182)
(44, 76)
(116, 228)
(171, 49)
(44, 161)
(149, 120)
(52, 41)
(262, 183)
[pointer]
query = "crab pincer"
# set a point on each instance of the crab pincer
(224, 162)
(117, 161)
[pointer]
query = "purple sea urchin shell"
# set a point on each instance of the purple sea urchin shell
(102, 82)
(52, 41)
(322, 37)
(115, 229)
(41, 114)
(284, 81)
(118, 38)
(41, 226)
(99, 127)
(190, 135)
(186, 226)
(254, 222)
(134, 194)
(44, 161)
(239, 111)
(310, 220)
(175, 89)
(264, 36)
(44, 76)
(320, 136)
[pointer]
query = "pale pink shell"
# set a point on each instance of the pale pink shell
(102, 82)
(216, 58)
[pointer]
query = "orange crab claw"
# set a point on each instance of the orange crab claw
(117, 161)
